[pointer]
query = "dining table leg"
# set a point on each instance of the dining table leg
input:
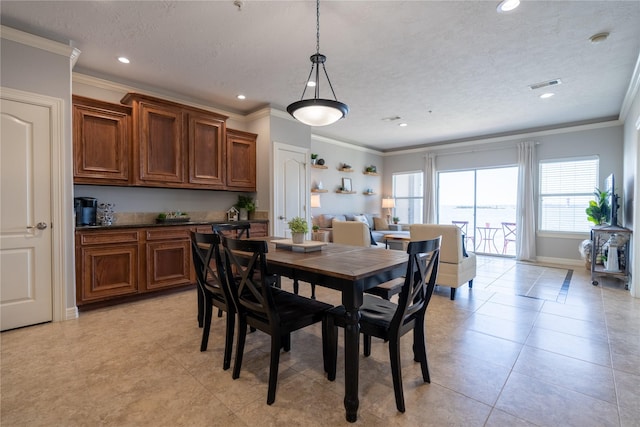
(352, 303)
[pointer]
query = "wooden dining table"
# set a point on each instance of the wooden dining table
(350, 270)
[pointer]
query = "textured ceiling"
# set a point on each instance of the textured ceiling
(450, 69)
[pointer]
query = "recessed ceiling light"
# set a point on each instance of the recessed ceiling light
(599, 38)
(403, 125)
(123, 59)
(507, 5)
(547, 95)
(241, 97)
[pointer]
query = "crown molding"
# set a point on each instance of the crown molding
(632, 91)
(38, 42)
(124, 88)
(332, 141)
(506, 138)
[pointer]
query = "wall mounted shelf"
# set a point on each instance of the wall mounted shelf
(316, 190)
(345, 170)
(371, 173)
(366, 193)
(345, 192)
(319, 166)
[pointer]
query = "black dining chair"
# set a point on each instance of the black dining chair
(212, 285)
(267, 308)
(235, 231)
(389, 321)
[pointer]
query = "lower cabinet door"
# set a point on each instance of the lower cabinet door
(107, 271)
(168, 264)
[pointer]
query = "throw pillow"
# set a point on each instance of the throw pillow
(361, 218)
(325, 220)
(380, 223)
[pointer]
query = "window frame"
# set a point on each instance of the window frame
(421, 198)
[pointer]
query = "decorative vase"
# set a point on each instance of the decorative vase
(297, 237)
(244, 214)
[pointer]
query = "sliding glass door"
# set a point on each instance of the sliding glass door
(483, 203)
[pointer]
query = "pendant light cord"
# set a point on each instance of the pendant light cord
(317, 26)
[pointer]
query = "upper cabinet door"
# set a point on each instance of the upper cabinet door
(159, 144)
(207, 165)
(241, 160)
(101, 142)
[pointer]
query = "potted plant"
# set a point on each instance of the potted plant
(395, 220)
(599, 209)
(299, 228)
(246, 206)
(314, 158)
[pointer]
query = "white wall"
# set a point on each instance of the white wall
(605, 141)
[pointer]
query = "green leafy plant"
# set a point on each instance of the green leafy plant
(298, 225)
(315, 228)
(314, 156)
(395, 219)
(245, 202)
(599, 209)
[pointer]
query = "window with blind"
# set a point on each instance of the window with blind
(566, 186)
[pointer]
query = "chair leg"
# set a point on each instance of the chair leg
(296, 286)
(219, 312)
(313, 291)
(273, 368)
(396, 372)
(330, 347)
(367, 345)
(286, 342)
(200, 296)
(453, 294)
(420, 350)
(228, 340)
(207, 308)
(242, 335)
(470, 283)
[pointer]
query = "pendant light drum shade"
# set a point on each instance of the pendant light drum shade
(317, 111)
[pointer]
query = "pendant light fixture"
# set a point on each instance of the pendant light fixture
(317, 111)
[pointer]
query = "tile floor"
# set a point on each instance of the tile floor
(513, 351)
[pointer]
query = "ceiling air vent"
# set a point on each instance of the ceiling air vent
(554, 82)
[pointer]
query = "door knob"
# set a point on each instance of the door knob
(39, 226)
(282, 217)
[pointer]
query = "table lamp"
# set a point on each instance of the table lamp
(388, 203)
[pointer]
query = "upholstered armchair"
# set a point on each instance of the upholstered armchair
(457, 266)
(353, 233)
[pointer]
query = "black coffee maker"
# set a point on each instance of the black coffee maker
(85, 209)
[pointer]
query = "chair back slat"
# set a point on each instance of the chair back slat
(420, 280)
(251, 284)
(235, 231)
(204, 249)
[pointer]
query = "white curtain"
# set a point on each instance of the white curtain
(430, 189)
(525, 209)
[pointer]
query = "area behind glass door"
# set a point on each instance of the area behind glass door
(483, 203)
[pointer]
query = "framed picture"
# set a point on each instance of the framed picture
(346, 184)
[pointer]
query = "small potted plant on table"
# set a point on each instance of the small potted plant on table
(395, 220)
(299, 228)
(246, 206)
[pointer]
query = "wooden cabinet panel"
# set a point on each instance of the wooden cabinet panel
(107, 271)
(168, 264)
(206, 150)
(159, 144)
(101, 142)
(241, 160)
(259, 229)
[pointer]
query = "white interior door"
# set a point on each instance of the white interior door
(290, 186)
(25, 215)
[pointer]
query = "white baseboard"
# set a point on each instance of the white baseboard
(560, 261)
(71, 313)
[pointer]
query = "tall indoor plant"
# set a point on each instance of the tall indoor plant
(599, 209)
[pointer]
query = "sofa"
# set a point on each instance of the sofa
(457, 266)
(378, 226)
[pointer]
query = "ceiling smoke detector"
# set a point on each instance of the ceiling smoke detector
(548, 83)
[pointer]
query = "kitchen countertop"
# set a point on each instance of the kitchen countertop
(164, 224)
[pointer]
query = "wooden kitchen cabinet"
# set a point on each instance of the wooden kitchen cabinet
(168, 258)
(101, 142)
(207, 151)
(241, 160)
(107, 265)
(159, 153)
